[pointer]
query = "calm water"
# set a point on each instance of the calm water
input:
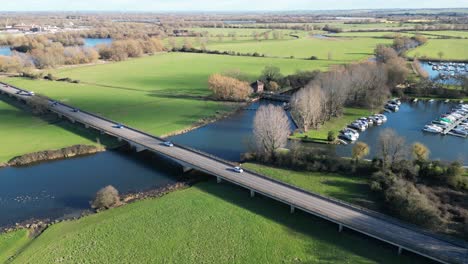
(433, 74)
(408, 123)
(227, 138)
(65, 187)
(5, 51)
(92, 42)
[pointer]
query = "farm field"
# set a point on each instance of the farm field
(379, 34)
(22, 133)
(11, 243)
(341, 50)
(212, 223)
(448, 33)
(246, 32)
(161, 94)
(336, 124)
(453, 49)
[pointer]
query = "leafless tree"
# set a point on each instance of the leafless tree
(271, 130)
(392, 147)
(335, 85)
(307, 107)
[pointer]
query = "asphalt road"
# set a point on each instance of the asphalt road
(407, 238)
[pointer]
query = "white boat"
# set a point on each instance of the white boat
(415, 100)
(431, 100)
(446, 101)
(381, 116)
(432, 129)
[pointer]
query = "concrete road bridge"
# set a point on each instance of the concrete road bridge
(403, 236)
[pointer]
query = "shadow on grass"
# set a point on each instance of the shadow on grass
(302, 223)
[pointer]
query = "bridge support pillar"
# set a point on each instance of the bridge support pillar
(340, 227)
(400, 249)
(72, 120)
(119, 139)
(59, 115)
(86, 126)
(252, 193)
(218, 179)
(292, 209)
(102, 132)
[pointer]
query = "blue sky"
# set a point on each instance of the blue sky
(219, 5)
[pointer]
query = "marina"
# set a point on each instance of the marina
(453, 123)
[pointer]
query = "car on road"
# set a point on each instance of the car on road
(53, 103)
(238, 169)
(75, 110)
(168, 144)
(118, 125)
(31, 93)
(19, 92)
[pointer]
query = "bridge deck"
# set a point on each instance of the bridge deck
(366, 222)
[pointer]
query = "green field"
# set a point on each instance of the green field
(11, 243)
(453, 49)
(378, 34)
(336, 124)
(244, 32)
(22, 133)
(341, 50)
(448, 33)
(207, 223)
(350, 189)
(160, 94)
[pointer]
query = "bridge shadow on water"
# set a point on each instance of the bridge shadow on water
(303, 224)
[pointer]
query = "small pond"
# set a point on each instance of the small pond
(93, 42)
(5, 51)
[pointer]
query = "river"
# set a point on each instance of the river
(65, 187)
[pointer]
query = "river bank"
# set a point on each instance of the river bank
(49, 155)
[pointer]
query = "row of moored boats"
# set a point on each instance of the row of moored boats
(351, 132)
(449, 69)
(454, 122)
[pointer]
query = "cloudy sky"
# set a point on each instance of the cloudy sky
(220, 5)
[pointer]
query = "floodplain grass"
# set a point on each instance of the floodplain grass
(452, 49)
(12, 242)
(335, 124)
(206, 223)
(159, 94)
(347, 188)
(22, 133)
(331, 50)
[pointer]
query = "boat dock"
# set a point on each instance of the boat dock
(453, 125)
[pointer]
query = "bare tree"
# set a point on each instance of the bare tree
(271, 130)
(420, 151)
(106, 197)
(392, 147)
(307, 107)
(229, 88)
(335, 85)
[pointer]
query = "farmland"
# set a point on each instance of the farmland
(11, 243)
(452, 49)
(22, 133)
(206, 223)
(341, 50)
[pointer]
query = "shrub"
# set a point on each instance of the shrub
(313, 58)
(331, 136)
(228, 88)
(106, 198)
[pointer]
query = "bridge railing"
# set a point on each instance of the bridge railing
(326, 198)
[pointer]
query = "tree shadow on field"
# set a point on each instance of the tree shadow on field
(52, 119)
(303, 224)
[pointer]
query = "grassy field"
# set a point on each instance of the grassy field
(379, 34)
(22, 133)
(244, 32)
(453, 49)
(448, 33)
(160, 94)
(341, 50)
(336, 124)
(11, 243)
(347, 188)
(207, 223)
